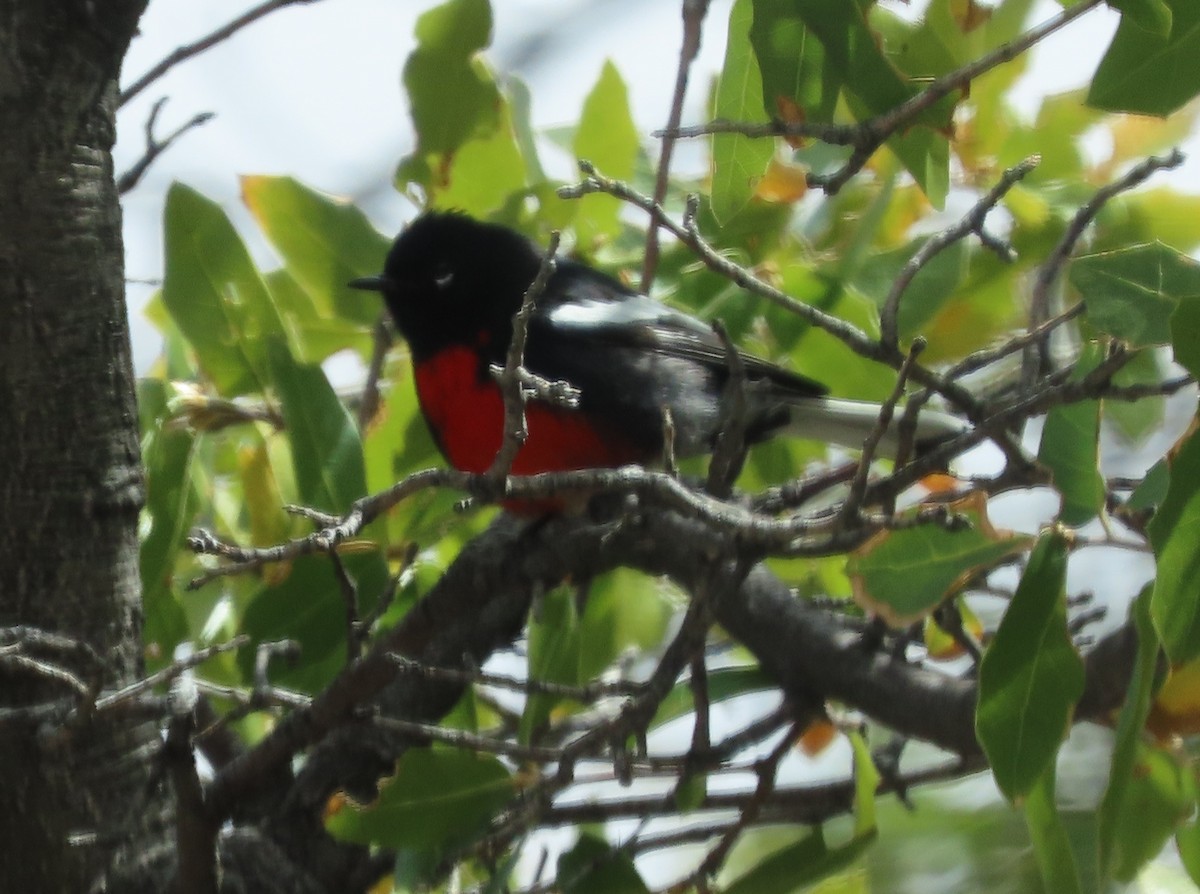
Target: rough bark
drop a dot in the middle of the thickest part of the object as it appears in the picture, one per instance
(70, 478)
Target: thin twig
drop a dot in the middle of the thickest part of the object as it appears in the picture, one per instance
(381, 340)
(851, 336)
(766, 770)
(156, 147)
(210, 40)
(972, 222)
(858, 487)
(1037, 355)
(694, 12)
(869, 135)
(512, 388)
(589, 692)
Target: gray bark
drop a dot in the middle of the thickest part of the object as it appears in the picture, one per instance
(70, 476)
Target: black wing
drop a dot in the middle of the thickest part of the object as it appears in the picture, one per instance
(583, 300)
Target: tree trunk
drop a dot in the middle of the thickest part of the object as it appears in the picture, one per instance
(70, 476)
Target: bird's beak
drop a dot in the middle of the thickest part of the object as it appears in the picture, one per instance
(377, 283)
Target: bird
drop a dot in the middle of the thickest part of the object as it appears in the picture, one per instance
(452, 285)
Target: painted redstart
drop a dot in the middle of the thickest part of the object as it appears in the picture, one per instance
(453, 284)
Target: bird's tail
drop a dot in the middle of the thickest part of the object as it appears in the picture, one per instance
(848, 423)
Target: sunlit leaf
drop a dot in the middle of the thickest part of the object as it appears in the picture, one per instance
(608, 139)
(796, 83)
(484, 173)
(452, 96)
(866, 782)
(216, 295)
(940, 645)
(873, 85)
(554, 647)
(738, 162)
(324, 241)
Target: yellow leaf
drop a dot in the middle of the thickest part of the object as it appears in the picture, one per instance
(783, 182)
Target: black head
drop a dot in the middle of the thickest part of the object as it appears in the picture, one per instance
(449, 279)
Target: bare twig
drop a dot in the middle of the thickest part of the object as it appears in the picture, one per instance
(586, 693)
(349, 592)
(729, 453)
(512, 388)
(210, 40)
(156, 147)
(972, 222)
(869, 135)
(851, 336)
(694, 12)
(766, 770)
(1037, 356)
(858, 487)
(381, 336)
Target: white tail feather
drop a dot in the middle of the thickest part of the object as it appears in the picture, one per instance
(849, 422)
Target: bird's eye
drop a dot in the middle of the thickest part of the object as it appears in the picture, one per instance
(443, 276)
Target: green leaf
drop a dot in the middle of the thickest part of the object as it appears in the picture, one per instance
(606, 137)
(1030, 677)
(930, 290)
(215, 294)
(1135, 420)
(796, 865)
(326, 450)
(791, 63)
(1153, 16)
(1070, 448)
(554, 648)
(904, 574)
(1160, 797)
(1051, 844)
(325, 242)
(313, 335)
(1173, 531)
(171, 504)
(1187, 839)
(624, 610)
(1130, 724)
(873, 86)
(1185, 335)
(866, 783)
(1153, 489)
(452, 96)
(738, 162)
(307, 608)
(485, 171)
(1131, 293)
(1149, 71)
(439, 800)
(593, 867)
